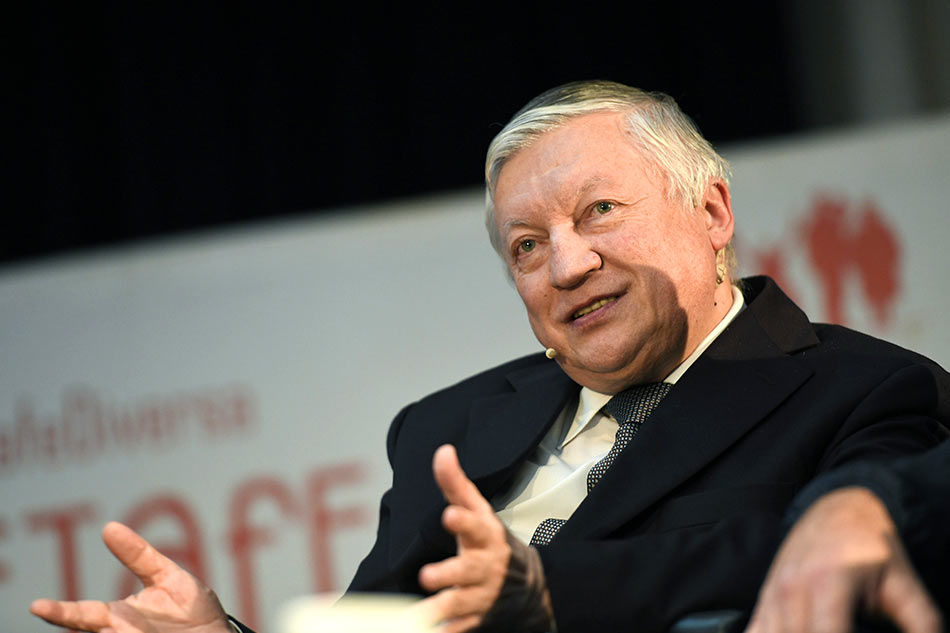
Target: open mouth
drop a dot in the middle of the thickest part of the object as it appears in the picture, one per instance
(600, 303)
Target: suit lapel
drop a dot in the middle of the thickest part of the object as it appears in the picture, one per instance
(740, 379)
(504, 429)
(711, 407)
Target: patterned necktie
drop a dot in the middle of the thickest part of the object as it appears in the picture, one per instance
(630, 408)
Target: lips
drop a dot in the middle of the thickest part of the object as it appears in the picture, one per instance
(596, 305)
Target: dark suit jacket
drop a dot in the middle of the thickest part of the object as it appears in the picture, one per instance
(921, 506)
(688, 517)
(916, 491)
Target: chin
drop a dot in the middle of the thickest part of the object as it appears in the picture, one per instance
(608, 356)
(617, 370)
(597, 376)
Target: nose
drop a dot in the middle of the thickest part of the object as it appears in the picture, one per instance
(573, 257)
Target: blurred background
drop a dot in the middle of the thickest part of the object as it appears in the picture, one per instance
(239, 237)
(135, 119)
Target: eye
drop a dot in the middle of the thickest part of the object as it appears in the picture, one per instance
(526, 246)
(603, 207)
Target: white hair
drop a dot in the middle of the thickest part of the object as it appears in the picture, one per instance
(663, 133)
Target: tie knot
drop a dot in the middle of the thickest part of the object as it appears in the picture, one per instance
(637, 403)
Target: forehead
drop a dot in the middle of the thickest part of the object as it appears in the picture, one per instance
(589, 153)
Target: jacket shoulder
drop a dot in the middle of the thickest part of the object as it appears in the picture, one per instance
(488, 382)
(442, 415)
(791, 331)
(863, 353)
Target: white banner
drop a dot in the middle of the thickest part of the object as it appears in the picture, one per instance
(854, 227)
(228, 394)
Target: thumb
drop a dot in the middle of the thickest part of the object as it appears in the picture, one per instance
(456, 487)
(903, 598)
(137, 554)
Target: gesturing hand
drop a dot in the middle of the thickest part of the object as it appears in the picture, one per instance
(494, 579)
(172, 601)
(842, 555)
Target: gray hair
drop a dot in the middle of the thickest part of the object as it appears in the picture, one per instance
(663, 133)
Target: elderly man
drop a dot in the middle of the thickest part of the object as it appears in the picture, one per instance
(650, 463)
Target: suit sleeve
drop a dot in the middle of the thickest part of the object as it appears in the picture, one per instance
(374, 573)
(649, 581)
(916, 492)
(925, 525)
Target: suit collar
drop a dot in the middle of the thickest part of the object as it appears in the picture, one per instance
(504, 429)
(745, 374)
(709, 409)
(771, 322)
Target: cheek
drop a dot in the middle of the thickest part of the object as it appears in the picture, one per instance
(633, 251)
(633, 239)
(679, 249)
(537, 301)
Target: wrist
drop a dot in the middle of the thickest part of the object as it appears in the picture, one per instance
(524, 603)
(855, 503)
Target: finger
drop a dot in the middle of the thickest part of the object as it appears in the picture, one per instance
(783, 607)
(757, 623)
(85, 615)
(455, 485)
(133, 551)
(766, 617)
(774, 620)
(833, 603)
(460, 625)
(455, 571)
(458, 602)
(473, 529)
(904, 599)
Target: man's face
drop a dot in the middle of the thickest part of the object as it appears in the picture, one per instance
(615, 277)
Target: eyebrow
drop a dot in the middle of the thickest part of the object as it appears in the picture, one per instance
(513, 223)
(589, 184)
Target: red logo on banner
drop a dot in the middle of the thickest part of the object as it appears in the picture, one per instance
(842, 242)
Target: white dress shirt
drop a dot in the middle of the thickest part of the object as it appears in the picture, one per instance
(553, 481)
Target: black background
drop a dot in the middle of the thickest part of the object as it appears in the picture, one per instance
(132, 120)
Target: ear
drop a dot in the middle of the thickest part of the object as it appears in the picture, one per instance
(717, 212)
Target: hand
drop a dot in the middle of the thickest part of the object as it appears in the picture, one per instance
(841, 555)
(172, 601)
(494, 579)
